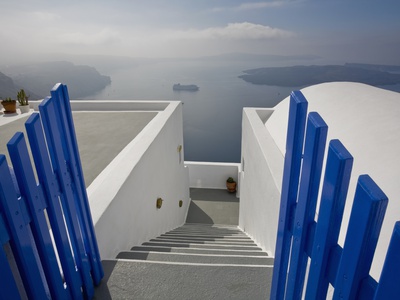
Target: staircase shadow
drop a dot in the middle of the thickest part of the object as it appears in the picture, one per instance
(197, 215)
(102, 290)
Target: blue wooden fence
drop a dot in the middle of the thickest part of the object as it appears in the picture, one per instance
(300, 237)
(46, 219)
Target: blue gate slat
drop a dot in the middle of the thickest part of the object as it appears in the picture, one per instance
(8, 287)
(367, 289)
(389, 283)
(366, 219)
(53, 129)
(60, 95)
(333, 263)
(4, 236)
(292, 163)
(21, 242)
(33, 195)
(333, 198)
(310, 238)
(311, 170)
(48, 181)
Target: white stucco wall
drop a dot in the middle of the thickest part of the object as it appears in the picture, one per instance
(211, 175)
(260, 179)
(123, 197)
(114, 105)
(366, 120)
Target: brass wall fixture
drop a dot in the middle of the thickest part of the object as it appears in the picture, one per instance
(180, 203)
(159, 202)
(179, 149)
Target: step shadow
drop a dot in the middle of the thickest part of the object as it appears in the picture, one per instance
(197, 215)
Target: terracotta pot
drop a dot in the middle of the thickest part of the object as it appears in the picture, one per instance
(10, 107)
(231, 186)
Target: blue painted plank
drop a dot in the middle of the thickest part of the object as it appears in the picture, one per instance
(8, 287)
(33, 195)
(333, 263)
(389, 282)
(311, 170)
(60, 95)
(367, 288)
(4, 236)
(334, 192)
(290, 181)
(21, 242)
(47, 180)
(366, 219)
(54, 137)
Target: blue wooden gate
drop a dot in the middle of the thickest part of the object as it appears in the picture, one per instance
(300, 237)
(47, 221)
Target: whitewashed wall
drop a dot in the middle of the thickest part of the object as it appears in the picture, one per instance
(212, 175)
(123, 197)
(261, 178)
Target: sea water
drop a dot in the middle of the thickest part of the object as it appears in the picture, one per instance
(212, 116)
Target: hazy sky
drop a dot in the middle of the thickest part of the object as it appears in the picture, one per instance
(356, 30)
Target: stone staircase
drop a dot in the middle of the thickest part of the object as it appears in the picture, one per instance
(195, 261)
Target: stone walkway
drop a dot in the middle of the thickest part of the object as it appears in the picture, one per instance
(213, 206)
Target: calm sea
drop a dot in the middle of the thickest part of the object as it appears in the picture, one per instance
(212, 115)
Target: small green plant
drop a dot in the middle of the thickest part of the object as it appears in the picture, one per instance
(230, 180)
(22, 98)
(8, 99)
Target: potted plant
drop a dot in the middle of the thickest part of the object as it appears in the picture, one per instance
(10, 106)
(23, 101)
(231, 185)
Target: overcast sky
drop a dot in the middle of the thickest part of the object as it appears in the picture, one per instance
(356, 30)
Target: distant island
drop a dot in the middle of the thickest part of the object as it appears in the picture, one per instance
(300, 76)
(38, 79)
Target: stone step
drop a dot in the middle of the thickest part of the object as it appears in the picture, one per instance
(199, 245)
(197, 258)
(216, 227)
(205, 236)
(199, 250)
(210, 226)
(209, 235)
(126, 279)
(209, 241)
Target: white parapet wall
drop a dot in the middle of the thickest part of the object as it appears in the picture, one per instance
(261, 178)
(123, 197)
(212, 175)
(114, 105)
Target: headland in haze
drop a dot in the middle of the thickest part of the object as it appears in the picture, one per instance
(376, 75)
(38, 79)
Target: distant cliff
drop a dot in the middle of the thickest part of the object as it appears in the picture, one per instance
(375, 75)
(7, 87)
(82, 81)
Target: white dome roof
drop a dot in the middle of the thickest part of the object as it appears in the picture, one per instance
(366, 120)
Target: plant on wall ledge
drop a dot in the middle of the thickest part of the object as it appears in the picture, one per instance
(231, 185)
(10, 106)
(23, 101)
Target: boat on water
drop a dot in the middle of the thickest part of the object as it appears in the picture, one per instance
(185, 87)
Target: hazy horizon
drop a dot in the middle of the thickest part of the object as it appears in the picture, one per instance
(356, 31)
